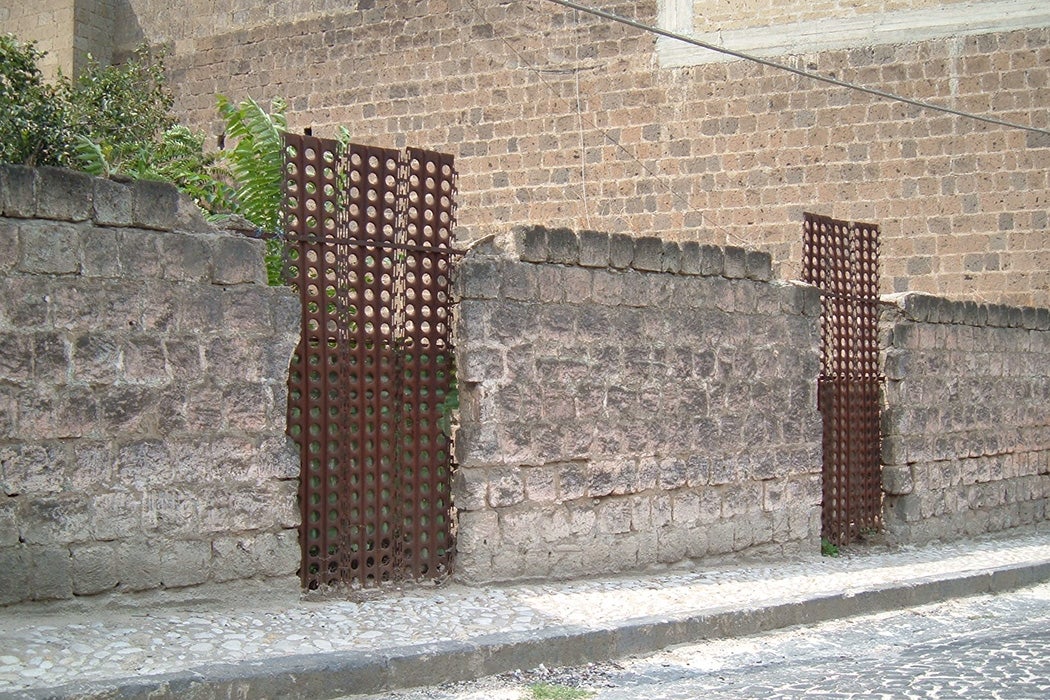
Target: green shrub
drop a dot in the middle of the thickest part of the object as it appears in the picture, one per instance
(35, 128)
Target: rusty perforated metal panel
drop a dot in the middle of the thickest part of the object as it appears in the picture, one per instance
(370, 245)
(842, 259)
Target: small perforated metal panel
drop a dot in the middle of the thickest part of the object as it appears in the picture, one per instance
(370, 244)
(842, 259)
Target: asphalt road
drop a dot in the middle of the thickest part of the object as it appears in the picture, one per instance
(985, 647)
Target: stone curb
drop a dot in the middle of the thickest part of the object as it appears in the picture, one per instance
(347, 673)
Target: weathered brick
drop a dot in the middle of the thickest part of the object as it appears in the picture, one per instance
(49, 248)
(111, 203)
(185, 256)
(671, 260)
(621, 251)
(64, 195)
(758, 266)
(237, 261)
(94, 568)
(735, 266)
(154, 205)
(100, 251)
(15, 567)
(648, 254)
(50, 573)
(139, 563)
(8, 244)
(594, 249)
(690, 262)
(18, 190)
(563, 247)
(712, 260)
(477, 278)
(531, 243)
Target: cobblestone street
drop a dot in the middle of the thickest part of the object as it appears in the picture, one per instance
(984, 647)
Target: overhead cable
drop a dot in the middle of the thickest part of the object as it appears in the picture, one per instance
(797, 71)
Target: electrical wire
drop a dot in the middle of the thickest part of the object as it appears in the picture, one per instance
(797, 71)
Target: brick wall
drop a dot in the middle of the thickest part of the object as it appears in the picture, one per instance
(966, 425)
(570, 121)
(49, 23)
(143, 363)
(631, 402)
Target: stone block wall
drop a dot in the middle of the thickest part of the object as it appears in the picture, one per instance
(966, 420)
(143, 365)
(627, 403)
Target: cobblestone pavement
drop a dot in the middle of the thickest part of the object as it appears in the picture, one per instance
(995, 646)
(48, 647)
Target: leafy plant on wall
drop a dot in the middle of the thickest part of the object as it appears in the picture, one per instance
(255, 163)
(34, 126)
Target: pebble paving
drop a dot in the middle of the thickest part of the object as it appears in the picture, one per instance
(42, 649)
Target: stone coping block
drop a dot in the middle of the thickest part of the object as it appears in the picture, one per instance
(66, 195)
(617, 251)
(927, 308)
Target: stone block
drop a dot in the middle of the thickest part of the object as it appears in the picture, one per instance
(154, 205)
(759, 266)
(143, 359)
(898, 480)
(238, 260)
(129, 410)
(49, 248)
(244, 407)
(139, 564)
(531, 242)
(506, 487)
(741, 498)
(613, 516)
(520, 281)
(9, 229)
(563, 247)
(275, 554)
(50, 573)
(594, 249)
(64, 195)
(10, 521)
(478, 532)
(712, 261)
(184, 563)
(478, 278)
(185, 256)
(648, 254)
(139, 254)
(621, 251)
(573, 480)
(674, 473)
(735, 266)
(33, 470)
(16, 357)
(671, 258)
(112, 203)
(94, 568)
(690, 262)
(232, 558)
(15, 567)
(100, 250)
(95, 358)
(58, 521)
(18, 191)
(479, 364)
(198, 309)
